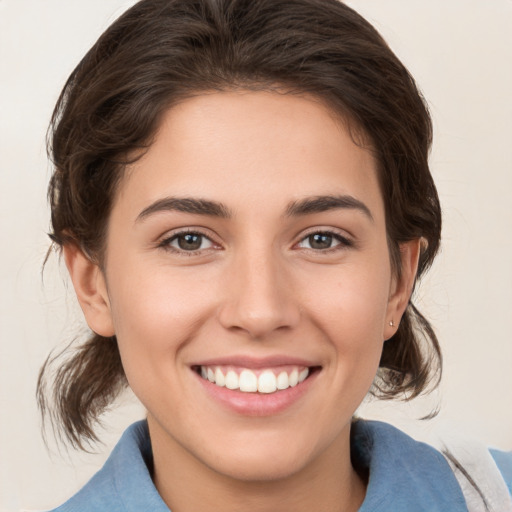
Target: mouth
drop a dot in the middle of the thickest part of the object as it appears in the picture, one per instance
(261, 381)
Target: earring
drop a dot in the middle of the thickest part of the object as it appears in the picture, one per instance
(392, 324)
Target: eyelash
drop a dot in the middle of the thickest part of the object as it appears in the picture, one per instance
(166, 242)
(342, 242)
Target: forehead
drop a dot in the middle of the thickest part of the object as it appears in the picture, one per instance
(250, 145)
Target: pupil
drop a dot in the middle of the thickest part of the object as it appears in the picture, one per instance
(320, 241)
(190, 242)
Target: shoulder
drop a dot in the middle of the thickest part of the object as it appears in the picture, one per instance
(405, 474)
(503, 461)
(484, 476)
(124, 483)
(98, 494)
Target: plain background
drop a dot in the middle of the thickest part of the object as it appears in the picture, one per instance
(460, 52)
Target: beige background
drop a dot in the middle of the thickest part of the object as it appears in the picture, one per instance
(460, 51)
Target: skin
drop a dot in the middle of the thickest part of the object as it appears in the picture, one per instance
(257, 287)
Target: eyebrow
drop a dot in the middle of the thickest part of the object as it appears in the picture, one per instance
(307, 206)
(186, 205)
(320, 204)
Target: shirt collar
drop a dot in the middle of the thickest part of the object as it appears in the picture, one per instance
(404, 474)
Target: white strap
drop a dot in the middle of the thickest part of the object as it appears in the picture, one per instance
(478, 463)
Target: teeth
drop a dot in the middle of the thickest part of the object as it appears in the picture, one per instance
(219, 378)
(248, 382)
(282, 381)
(293, 379)
(232, 380)
(267, 382)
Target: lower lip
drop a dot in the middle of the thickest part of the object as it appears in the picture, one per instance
(257, 404)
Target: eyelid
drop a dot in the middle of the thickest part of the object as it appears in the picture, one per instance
(346, 241)
(165, 240)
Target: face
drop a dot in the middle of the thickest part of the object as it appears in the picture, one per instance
(248, 281)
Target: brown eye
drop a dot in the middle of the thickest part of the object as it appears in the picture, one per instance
(189, 242)
(323, 241)
(320, 241)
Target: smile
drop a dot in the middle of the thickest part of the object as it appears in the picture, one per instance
(251, 381)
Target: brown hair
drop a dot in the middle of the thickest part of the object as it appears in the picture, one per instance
(161, 51)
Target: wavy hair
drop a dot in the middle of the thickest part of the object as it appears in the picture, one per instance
(162, 51)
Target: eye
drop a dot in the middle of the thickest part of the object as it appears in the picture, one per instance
(187, 242)
(323, 240)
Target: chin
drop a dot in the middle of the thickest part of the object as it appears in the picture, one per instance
(262, 461)
(260, 469)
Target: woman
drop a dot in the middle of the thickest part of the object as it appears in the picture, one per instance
(243, 201)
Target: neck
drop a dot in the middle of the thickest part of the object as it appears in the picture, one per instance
(328, 483)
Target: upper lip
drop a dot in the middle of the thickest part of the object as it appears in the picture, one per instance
(256, 362)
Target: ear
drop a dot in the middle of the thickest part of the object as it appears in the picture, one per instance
(91, 290)
(401, 287)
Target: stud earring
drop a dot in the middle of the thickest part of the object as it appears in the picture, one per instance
(392, 324)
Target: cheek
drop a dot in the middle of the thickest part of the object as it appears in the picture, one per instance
(351, 312)
(354, 301)
(155, 315)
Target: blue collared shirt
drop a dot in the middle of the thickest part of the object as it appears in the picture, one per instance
(404, 475)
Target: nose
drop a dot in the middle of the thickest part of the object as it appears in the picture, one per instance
(259, 296)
